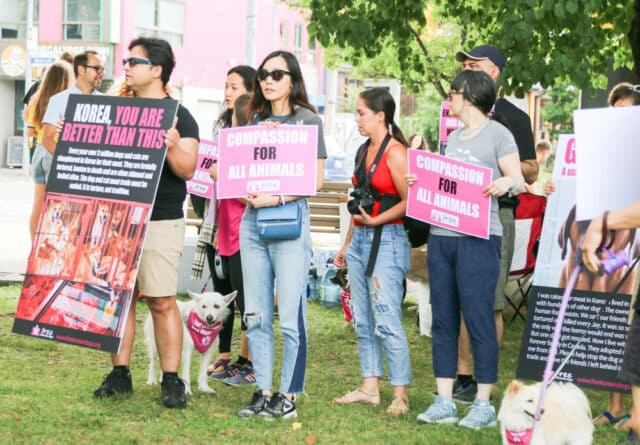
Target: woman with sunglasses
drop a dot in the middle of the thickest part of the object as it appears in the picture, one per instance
(240, 81)
(280, 98)
(463, 270)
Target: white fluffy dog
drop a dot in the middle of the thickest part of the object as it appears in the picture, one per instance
(202, 318)
(566, 416)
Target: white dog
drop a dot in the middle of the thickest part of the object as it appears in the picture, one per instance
(566, 415)
(202, 319)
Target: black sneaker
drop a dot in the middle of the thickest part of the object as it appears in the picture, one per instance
(118, 381)
(173, 392)
(279, 407)
(465, 392)
(257, 404)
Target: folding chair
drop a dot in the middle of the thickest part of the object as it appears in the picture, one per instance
(528, 221)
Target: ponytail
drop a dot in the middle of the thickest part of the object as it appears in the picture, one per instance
(397, 134)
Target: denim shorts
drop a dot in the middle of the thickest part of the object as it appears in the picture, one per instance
(41, 164)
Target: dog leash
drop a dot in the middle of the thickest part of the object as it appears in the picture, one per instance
(548, 372)
(595, 318)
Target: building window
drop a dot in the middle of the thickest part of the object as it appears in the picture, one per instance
(13, 18)
(161, 18)
(297, 41)
(82, 20)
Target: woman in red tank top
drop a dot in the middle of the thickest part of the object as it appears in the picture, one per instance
(376, 280)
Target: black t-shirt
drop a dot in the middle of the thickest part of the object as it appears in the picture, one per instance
(172, 190)
(32, 90)
(519, 124)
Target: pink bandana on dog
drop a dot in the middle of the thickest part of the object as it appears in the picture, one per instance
(522, 437)
(202, 334)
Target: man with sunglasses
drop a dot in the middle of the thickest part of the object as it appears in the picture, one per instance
(89, 71)
(147, 72)
(490, 59)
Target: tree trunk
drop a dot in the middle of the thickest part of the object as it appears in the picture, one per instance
(634, 41)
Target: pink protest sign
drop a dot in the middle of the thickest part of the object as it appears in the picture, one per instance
(447, 125)
(448, 193)
(201, 184)
(259, 159)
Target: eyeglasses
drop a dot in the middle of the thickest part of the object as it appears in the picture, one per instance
(276, 75)
(99, 68)
(133, 61)
(453, 93)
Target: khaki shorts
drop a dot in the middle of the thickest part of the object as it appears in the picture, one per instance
(160, 261)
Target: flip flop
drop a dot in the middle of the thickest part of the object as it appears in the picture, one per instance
(610, 418)
(622, 423)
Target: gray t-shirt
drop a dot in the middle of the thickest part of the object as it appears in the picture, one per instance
(304, 116)
(58, 105)
(485, 148)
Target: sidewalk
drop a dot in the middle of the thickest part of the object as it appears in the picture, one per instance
(16, 191)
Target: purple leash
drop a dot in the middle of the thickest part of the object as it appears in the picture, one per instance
(548, 370)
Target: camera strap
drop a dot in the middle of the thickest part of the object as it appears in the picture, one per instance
(365, 181)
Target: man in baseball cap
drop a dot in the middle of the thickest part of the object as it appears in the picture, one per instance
(480, 54)
(490, 59)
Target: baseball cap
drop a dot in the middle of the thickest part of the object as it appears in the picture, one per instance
(483, 52)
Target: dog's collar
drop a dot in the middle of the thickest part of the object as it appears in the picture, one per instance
(201, 333)
(521, 437)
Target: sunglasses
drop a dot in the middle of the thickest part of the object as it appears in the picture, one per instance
(133, 61)
(276, 75)
(99, 68)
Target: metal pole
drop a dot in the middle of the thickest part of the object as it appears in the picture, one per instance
(31, 46)
(250, 48)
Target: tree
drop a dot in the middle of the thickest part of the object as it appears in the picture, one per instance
(559, 111)
(543, 40)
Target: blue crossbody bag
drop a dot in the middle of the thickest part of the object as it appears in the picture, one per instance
(280, 222)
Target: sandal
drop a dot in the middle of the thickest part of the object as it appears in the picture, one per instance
(219, 363)
(606, 418)
(623, 423)
(398, 407)
(358, 396)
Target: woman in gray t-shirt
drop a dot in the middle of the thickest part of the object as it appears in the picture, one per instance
(463, 270)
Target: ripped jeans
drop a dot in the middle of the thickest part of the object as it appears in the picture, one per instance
(376, 302)
(282, 266)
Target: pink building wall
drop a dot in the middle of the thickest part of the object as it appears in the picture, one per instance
(214, 37)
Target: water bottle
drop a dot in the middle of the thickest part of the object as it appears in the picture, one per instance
(329, 292)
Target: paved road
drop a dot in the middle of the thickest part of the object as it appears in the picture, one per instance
(16, 198)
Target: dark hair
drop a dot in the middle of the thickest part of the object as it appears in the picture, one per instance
(423, 143)
(379, 99)
(67, 57)
(159, 52)
(241, 109)
(623, 90)
(297, 96)
(248, 75)
(476, 87)
(82, 59)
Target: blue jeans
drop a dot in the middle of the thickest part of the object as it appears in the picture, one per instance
(463, 272)
(376, 302)
(268, 266)
(41, 164)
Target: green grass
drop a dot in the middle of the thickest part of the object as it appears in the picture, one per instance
(46, 395)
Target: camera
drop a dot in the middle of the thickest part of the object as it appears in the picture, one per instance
(362, 197)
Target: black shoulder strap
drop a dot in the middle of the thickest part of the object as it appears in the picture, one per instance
(361, 162)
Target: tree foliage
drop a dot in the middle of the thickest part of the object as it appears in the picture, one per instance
(543, 40)
(558, 112)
